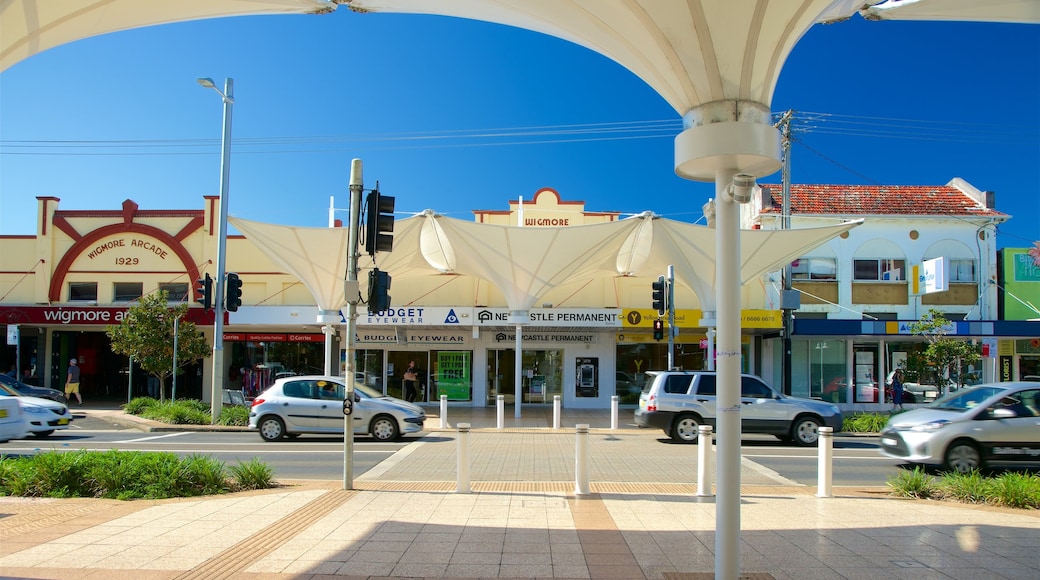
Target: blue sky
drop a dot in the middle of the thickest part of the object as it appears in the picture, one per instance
(456, 115)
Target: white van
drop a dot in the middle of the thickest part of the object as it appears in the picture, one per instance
(12, 421)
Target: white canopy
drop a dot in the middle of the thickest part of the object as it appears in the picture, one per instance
(526, 264)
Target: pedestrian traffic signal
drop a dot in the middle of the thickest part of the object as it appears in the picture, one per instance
(378, 288)
(379, 224)
(234, 293)
(658, 329)
(660, 296)
(204, 291)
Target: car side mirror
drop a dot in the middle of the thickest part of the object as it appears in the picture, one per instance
(1003, 413)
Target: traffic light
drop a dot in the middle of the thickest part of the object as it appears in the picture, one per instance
(660, 296)
(204, 291)
(234, 293)
(378, 286)
(379, 224)
(658, 329)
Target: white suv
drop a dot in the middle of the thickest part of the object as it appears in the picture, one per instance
(679, 401)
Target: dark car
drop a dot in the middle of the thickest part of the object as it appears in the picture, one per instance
(31, 391)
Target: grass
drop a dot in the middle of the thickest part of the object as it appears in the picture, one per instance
(127, 475)
(865, 422)
(185, 412)
(1008, 489)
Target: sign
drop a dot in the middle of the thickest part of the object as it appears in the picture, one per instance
(554, 317)
(1026, 268)
(560, 338)
(272, 337)
(691, 318)
(85, 315)
(931, 276)
(12, 334)
(453, 375)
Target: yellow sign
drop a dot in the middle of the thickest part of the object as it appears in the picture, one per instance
(644, 318)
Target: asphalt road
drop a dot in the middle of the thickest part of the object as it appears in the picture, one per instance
(856, 461)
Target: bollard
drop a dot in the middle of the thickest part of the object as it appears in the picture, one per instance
(704, 460)
(500, 402)
(824, 464)
(614, 412)
(556, 411)
(444, 411)
(462, 475)
(581, 459)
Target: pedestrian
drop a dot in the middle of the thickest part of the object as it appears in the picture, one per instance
(897, 390)
(411, 375)
(153, 386)
(72, 383)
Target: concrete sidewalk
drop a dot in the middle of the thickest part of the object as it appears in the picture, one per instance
(521, 519)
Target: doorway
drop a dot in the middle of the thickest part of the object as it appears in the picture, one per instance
(396, 363)
(541, 375)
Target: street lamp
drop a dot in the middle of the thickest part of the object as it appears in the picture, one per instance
(216, 395)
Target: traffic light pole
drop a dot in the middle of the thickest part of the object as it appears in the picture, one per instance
(670, 290)
(351, 295)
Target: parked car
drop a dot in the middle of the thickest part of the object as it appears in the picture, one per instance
(12, 421)
(41, 392)
(43, 415)
(996, 423)
(920, 393)
(314, 404)
(678, 401)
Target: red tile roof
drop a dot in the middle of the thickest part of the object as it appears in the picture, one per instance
(865, 200)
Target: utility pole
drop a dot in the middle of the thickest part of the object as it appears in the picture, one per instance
(786, 305)
(352, 295)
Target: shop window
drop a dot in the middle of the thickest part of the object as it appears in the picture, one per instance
(82, 291)
(177, 292)
(127, 291)
(883, 270)
(814, 269)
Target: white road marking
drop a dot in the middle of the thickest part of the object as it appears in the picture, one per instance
(153, 438)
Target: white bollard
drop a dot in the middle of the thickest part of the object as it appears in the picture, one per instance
(581, 459)
(500, 402)
(704, 460)
(444, 411)
(614, 412)
(823, 466)
(462, 452)
(556, 411)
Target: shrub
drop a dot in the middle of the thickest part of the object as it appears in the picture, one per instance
(916, 484)
(969, 487)
(237, 416)
(253, 474)
(181, 412)
(864, 422)
(1016, 490)
(137, 405)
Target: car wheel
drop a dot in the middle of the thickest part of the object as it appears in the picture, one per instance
(43, 433)
(805, 431)
(684, 429)
(271, 428)
(384, 428)
(963, 457)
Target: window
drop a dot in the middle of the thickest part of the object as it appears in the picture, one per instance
(178, 292)
(753, 389)
(962, 271)
(83, 291)
(127, 291)
(677, 384)
(879, 270)
(814, 269)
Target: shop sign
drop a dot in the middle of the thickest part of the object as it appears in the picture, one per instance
(750, 318)
(272, 337)
(453, 378)
(555, 317)
(85, 315)
(416, 316)
(1027, 269)
(548, 337)
(434, 338)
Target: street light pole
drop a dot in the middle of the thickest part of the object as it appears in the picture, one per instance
(216, 394)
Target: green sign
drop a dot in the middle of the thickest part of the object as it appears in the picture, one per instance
(1026, 268)
(453, 377)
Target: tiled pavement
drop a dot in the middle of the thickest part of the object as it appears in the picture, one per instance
(405, 520)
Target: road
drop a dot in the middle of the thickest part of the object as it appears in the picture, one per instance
(856, 461)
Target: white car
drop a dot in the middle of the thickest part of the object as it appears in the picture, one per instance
(997, 423)
(314, 404)
(43, 415)
(12, 421)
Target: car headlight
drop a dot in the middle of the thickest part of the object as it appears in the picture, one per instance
(931, 426)
(34, 409)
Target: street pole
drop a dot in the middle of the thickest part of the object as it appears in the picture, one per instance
(785, 297)
(352, 296)
(671, 317)
(216, 394)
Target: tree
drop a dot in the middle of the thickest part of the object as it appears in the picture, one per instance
(146, 333)
(943, 356)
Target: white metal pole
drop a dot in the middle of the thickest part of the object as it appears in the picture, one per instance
(823, 464)
(556, 411)
(462, 483)
(704, 460)
(518, 388)
(581, 459)
(500, 411)
(217, 386)
(727, 280)
(176, 333)
(444, 411)
(670, 297)
(614, 412)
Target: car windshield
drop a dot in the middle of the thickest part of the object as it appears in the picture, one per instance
(6, 391)
(965, 400)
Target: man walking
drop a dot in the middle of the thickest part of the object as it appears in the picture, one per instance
(72, 383)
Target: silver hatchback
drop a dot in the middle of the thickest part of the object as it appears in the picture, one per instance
(314, 404)
(997, 423)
